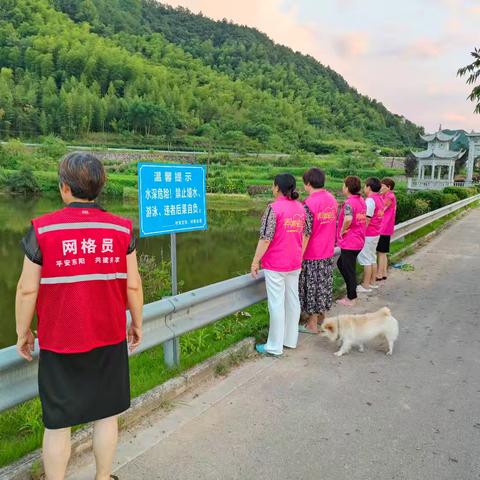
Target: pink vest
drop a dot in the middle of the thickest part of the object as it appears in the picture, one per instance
(375, 225)
(354, 237)
(284, 253)
(324, 208)
(388, 224)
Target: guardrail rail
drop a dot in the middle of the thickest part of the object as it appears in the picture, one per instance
(171, 317)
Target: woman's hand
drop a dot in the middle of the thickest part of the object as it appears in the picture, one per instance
(134, 337)
(26, 345)
(254, 269)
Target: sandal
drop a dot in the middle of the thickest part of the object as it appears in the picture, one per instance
(304, 329)
(114, 477)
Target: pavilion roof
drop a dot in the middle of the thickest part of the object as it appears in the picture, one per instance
(438, 153)
(440, 136)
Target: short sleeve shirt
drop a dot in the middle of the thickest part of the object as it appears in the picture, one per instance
(32, 250)
(370, 202)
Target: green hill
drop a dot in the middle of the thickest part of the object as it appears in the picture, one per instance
(136, 71)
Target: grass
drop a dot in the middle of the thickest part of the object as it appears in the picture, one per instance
(21, 428)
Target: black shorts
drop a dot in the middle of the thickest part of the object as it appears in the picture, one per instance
(383, 244)
(77, 388)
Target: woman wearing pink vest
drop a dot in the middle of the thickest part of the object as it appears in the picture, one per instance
(316, 278)
(351, 236)
(388, 227)
(368, 256)
(280, 252)
(80, 275)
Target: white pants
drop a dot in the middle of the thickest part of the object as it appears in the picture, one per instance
(284, 308)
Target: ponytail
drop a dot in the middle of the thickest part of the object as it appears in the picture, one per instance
(287, 185)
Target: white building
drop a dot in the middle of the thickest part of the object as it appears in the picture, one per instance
(436, 164)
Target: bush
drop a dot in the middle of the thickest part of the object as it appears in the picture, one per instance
(156, 278)
(459, 192)
(22, 182)
(448, 198)
(53, 147)
(225, 185)
(421, 207)
(13, 155)
(406, 207)
(434, 198)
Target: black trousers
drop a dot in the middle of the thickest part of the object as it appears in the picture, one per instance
(346, 263)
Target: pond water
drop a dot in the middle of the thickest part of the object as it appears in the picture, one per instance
(221, 252)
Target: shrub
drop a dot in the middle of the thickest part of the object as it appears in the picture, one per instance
(14, 155)
(406, 207)
(22, 182)
(448, 198)
(53, 147)
(460, 192)
(156, 278)
(434, 198)
(421, 207)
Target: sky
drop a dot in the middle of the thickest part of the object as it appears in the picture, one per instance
(404, 54)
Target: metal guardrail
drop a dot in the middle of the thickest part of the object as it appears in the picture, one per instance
(172, 317)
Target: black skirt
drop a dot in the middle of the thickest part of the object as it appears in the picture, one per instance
(383, 244)
(78, 388)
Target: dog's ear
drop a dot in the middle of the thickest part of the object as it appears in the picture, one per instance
(329, 327)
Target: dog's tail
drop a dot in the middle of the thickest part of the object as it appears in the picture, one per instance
(385, 311)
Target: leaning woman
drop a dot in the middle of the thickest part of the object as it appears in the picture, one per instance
(316, 279)
(80, 275)
(279, 251)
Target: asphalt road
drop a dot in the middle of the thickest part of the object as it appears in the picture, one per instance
(365, 416)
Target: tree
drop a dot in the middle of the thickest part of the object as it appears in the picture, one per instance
(472, 72)
(410, 165)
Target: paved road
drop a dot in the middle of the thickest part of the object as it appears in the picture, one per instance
(310, 415)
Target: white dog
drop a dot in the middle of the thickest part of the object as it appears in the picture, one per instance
(356, 329)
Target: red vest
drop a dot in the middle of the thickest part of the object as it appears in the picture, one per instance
(324, 208)
(83, 288)
(375, 225)
(354, 237)
(284, 253)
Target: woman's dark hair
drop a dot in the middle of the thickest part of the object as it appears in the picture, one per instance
(389, 182)
(83, 173)
(353, 184)
(287, 185)
(374, 184)
(315, 177)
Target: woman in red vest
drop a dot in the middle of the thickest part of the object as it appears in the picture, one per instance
(316, 279)
(280, 252)
(80, 274)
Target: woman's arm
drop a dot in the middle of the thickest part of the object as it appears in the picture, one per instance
(134, 301)
(25, 302)
(262, 247)
(347, 221)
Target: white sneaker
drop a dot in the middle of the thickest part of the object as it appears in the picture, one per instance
(374, 286)
(362, 289)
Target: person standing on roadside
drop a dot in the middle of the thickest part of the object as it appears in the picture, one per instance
(280, 252)
(367, 258)
(388, 227)
(351, 236)
(316, 278)
(80, 274)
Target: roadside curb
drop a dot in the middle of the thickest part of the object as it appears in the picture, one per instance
(29, 467)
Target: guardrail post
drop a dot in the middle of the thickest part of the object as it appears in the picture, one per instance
(171, 349)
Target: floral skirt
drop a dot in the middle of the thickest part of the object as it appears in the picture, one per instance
(316, 286)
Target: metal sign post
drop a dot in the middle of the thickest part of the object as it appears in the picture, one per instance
(171, 348)
(171, 199)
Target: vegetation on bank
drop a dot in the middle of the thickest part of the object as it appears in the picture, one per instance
(135, 71)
